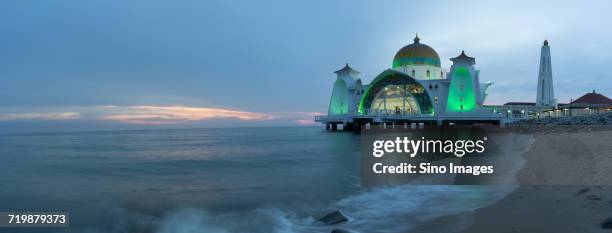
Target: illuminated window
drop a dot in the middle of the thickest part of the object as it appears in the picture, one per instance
(415, 89)
(395, 99)
(435, 99)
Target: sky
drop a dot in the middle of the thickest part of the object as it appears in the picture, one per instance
(95, 65)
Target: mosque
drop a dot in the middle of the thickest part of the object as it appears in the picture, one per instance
(416, 89)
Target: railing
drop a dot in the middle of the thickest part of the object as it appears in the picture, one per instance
(409, 115)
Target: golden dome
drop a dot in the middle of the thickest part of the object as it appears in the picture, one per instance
(416, 54)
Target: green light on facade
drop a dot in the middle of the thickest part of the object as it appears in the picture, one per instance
(392, 77)
(361, 108)
(415, 61)
(339, 103)
(461, 92)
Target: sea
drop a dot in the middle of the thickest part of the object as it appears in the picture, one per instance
(219, 180)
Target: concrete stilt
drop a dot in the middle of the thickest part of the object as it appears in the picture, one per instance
(348, 126)
(356, 127)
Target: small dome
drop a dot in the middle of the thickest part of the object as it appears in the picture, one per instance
(416, 54)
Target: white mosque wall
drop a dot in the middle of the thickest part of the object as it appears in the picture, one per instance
(484, 90)
(420, 71)
(477, 91)
(355, 93)
(438, 94)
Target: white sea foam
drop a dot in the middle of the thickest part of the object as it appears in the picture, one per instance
(388, 209)
(259, 220)
(399, 208)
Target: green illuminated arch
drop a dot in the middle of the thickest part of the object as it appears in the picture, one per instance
(461, 96)
(392, 77)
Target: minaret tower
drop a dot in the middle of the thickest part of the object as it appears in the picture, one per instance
(546, 95)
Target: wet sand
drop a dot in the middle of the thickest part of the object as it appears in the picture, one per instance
(564, 187)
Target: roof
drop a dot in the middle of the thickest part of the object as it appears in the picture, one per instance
(463, 57)
(593, 98)
(346, 68)
(521, 103)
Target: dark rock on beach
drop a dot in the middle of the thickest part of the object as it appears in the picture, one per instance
(583, 191)
(333, 218)
(598, 119)
(594, 197)
(340, 231)
(607, 224)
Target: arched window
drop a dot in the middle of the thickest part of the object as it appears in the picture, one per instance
(413, 73)
(441, 74)
(395, 99)
(428, 74)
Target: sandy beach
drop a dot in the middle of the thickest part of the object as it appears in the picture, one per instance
(564, 186)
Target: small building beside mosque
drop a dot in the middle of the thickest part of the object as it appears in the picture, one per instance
(588, 104)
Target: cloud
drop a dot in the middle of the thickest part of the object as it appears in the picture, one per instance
(155, 115)
(305, 122)
(40, 116)
(299, 117)
(173, 114)
(133, 114)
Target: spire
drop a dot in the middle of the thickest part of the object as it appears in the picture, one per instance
(545, 93)
(417, 39)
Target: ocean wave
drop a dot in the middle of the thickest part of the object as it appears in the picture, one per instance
(400, 208)
(385, 209)
(256, 221)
